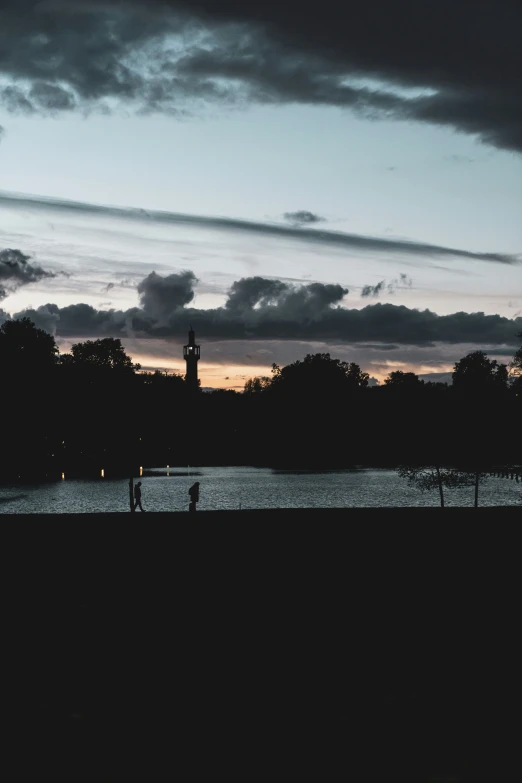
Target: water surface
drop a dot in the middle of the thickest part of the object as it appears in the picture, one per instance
(244, 487)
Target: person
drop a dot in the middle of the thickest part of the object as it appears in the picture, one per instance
(194, 496)
(137, 496)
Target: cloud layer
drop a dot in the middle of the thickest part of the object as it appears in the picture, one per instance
(356, 243)
(451, 64)
(260, 308)
(16, 270)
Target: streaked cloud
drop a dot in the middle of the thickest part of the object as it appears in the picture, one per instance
(386, 247)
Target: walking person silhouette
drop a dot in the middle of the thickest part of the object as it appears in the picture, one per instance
(194, 496)
(137, 496)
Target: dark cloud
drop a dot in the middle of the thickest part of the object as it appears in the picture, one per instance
(403, 281)
(162, 297)
(16, 270)
(51, 98)
(382, 346)
(45, 317)
(373, 290)
(263, 309)
(302, 217)
(83, 320)
(445, 63)
(249, 292)
(351, 242)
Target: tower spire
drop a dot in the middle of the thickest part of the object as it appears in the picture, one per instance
(191, 354)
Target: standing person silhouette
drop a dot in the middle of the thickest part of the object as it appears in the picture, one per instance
(194, 496)
(137, 496)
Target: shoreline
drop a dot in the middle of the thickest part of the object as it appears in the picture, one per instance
(285, 514)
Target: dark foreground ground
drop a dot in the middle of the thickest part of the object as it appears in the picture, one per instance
(357, 644)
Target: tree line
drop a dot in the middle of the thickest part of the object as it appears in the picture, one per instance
(94, 409)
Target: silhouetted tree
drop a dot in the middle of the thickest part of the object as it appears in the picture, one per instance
(472, 473)
(516, 364)
(24, 347)
(319, 374)
(30, 404)
(106, 353)
(476, 373)
(403, 381)
(478, 477)
(257, 385)
(355, 376)
(515, 369)
(427, 478)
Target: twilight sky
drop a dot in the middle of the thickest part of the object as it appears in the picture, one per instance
(286, 178)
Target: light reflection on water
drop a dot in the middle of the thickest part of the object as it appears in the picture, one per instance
(244, 487)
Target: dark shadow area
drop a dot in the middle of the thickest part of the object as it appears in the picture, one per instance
(357, 644)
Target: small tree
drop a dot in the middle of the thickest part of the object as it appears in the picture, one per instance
(471, 476)
(427, 478)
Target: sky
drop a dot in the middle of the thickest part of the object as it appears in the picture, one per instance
(286, 179)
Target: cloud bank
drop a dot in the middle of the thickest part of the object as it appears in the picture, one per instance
(450, 64)
(260, 308)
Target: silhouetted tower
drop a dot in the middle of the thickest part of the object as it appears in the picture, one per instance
(191, 356)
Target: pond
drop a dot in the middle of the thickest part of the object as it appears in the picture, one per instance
(245, 487)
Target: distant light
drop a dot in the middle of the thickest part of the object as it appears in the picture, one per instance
(63, 475)
(102, 473)
(141, 472)
(168, 466)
